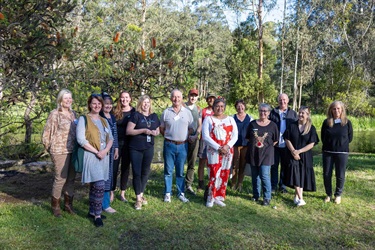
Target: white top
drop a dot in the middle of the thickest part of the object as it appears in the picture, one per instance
(219, 133)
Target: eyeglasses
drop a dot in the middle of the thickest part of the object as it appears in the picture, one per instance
(263, 111)
(96, 95)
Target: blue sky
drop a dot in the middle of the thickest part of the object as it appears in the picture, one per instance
(275, 15)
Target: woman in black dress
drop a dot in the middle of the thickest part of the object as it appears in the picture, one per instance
(300, 137)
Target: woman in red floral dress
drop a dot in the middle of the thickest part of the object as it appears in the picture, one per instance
(220, 134)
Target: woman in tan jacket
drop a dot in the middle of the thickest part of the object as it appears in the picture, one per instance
(58, 138)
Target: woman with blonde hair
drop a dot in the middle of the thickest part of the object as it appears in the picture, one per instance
(143, 126)
(336, 134)
(300, 137)
(58, 138)
(122, 112)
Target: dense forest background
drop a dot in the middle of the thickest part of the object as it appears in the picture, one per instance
(322, 50)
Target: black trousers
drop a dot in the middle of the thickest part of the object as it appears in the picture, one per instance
(339, 160)
(124, 157)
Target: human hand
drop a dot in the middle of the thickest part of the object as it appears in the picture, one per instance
(116, 154)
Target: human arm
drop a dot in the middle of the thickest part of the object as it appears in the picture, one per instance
(50, 129)
(115, 140)
(350, 131)
(162, 125)
(131, 130)
(234, 136)
(194, 137)
(207, 125)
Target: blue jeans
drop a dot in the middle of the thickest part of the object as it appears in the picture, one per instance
(141, 165)
(261, 177)
(106, 200)
(174, 156)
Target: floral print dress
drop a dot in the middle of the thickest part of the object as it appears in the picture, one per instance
(221, 132)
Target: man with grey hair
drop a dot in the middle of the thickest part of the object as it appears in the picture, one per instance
(176, 124)
(282, 116)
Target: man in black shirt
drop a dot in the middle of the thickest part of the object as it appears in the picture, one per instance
(282, 116)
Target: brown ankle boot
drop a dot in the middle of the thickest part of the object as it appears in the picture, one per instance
(68, 204)
(55, 204)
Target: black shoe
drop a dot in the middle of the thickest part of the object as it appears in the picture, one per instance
(283, 191)
(254, 199)
(266, 202)
(98, 222)
(190, 190)
(93, 216)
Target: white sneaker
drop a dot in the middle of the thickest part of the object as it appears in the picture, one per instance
(183, 198)
(109, 210)
(301, 203)
(219, 203)
(167, 197)
(296, 200)
(210, 203)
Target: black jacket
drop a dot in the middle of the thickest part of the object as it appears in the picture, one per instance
(291, 116)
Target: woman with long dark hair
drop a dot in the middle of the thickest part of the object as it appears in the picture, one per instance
(122, 112)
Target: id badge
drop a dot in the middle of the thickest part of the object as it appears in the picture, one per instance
(148, 138)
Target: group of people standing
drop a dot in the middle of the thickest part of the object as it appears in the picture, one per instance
(124, 134)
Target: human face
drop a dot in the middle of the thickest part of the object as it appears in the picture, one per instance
(66, 101)
(240, 108)
(145, 107)
(210, 101)
(125, 100)
(336, 111)
(193, 98)
(95, 106)
(263, 113)
(219, 109)
(176, 98)
(283, 102)
(107, 106)
(303, 115)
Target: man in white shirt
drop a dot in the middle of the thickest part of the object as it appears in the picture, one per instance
(176, 124)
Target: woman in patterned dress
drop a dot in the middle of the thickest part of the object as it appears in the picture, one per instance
(220, 134)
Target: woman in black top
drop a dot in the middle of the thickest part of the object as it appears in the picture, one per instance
(122, 112)
(336, 134)
(262, 134)
(300, 137)
(142, 128)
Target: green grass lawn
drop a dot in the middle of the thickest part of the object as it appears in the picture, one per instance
(26, 221)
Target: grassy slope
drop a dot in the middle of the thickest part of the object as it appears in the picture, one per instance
(241, 225)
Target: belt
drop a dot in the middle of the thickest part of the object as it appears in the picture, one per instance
(175, 142)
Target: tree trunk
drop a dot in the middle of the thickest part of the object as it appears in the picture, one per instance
(260, 40)
(295, 85)
(27, 118)
(282, 50)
